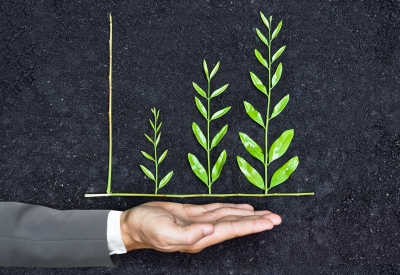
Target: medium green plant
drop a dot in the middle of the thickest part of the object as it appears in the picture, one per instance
(209, 176)
(279, 147)
(157, 161)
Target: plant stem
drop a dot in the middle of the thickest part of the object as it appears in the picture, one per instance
(155, 149)
(110, 110)
(208, 136)
(199, 195)
(267, 115)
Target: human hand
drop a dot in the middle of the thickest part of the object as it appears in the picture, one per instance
(169, 227)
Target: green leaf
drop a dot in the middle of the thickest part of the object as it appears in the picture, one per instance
(219, 164)
(262, 37)
(219, 136)
(277, 75)
(280, 106)
(151, 123)
(147, 172)
(162, 157)
(158, 114)
(276, 31)
(278, 53)
(214, 71)
(261, 58)
(220, 113)
(199, 90)
(158, 138)
(158, 127)
(199, 135)
(165, 179)
(201, 107)
(279, 147)
(257, 82)
(147, 155)
(198, 169)
(149, 138)
(284, 172)
(219, 91)
(252, 147)
(250, 173)
(265, 20)
(253, 113)
(206, 69)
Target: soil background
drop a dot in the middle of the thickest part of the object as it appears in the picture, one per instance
(341, 69)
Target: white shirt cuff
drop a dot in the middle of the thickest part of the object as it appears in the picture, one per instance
(114, 238)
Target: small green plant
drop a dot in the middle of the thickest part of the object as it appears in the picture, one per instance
(209, 176)
(157, 161)
(279, 147)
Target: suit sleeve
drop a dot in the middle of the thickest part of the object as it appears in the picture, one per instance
(37, 236)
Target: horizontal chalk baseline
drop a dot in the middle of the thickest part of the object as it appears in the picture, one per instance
(198, 195)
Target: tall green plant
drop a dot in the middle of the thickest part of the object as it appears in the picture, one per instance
(208, 176)
(279, 147)
(157, 160)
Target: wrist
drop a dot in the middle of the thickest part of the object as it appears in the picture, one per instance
(129, 232)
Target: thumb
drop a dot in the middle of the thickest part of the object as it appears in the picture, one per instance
(191, 234)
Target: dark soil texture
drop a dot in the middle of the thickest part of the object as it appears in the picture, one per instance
(341, 69)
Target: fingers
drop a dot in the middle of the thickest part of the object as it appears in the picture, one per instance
(212, 212)
(214, 206)
(192, 211)
(209, 213)
(219, 213)
(184, 235)
(222, 212)
(275, 219)
(226, 230)
(231, 229)
(197, 209)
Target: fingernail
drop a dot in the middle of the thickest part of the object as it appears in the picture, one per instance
(207, 231)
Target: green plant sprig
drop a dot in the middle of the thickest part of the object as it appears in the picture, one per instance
(108, 190)
(279, 147)
(209, 176)
(157, 161)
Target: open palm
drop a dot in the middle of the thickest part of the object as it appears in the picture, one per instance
(169, 227)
